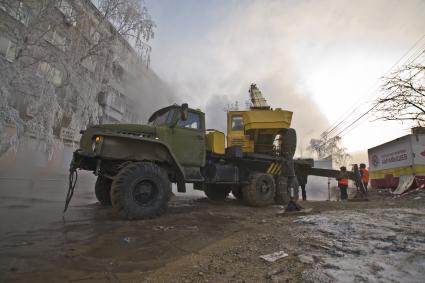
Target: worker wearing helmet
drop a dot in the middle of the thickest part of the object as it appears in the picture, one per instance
(364, 173)
(343, 182)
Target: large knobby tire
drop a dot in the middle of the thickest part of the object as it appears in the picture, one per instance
(102, 190)
(216, 192)
(289, 139)
(260, 191)
(140, 190)
(284, 186)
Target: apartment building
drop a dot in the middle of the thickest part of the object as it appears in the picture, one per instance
(93, 73)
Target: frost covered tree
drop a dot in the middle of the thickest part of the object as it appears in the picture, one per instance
(38, 93)
(403, 96)
(132, 21)
(327, 146)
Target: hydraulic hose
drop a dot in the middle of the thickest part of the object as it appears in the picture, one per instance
(73, 176)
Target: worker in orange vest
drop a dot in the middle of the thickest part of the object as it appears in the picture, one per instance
(343, 182)
(364, 173)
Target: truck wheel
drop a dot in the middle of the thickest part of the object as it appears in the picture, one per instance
(102, 190)
(283, 189)
(260, 191)
(216, 192)
(140, 190)
(289, 145)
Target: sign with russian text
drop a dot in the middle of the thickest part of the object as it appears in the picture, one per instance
(396, 153)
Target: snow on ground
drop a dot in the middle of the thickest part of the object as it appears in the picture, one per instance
(377, 245)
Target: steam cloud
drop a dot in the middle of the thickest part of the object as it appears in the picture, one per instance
(147, 91)
(214, 54)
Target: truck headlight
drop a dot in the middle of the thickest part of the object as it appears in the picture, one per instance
(96, 143)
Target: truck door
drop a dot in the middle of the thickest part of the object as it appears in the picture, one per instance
(188, 140)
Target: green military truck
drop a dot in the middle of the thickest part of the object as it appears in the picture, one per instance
(136, 164)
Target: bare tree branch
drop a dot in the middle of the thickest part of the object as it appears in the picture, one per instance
(403, 97)
(326, 146)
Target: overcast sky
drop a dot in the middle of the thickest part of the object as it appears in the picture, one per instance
(315, 58)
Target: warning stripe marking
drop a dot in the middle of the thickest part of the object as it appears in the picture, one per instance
(271, 167)
(274, 168)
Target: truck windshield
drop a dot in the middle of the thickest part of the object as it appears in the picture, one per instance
(237, 123)
(163, 119)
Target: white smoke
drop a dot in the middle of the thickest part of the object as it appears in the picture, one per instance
(214, 54)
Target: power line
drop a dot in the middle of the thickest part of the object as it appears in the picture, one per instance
(374, 106)
(415, 55)
(412, 58)
(364, 114)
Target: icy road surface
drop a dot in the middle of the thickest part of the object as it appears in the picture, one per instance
(376, 245)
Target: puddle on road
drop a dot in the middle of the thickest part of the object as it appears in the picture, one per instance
(378, 245)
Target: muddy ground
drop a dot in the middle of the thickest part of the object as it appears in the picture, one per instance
(381, 240)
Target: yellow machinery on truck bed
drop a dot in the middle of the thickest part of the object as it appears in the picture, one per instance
(256, 130)
(257, 164)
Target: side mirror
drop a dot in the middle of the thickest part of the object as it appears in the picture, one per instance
(184, 112)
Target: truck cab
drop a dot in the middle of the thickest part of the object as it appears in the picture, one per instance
(183, 129)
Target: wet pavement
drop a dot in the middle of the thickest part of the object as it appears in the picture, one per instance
(198, 240)
(38, 238)
(32, 203)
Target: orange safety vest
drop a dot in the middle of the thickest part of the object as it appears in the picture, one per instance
(343, 182)
(365, 175)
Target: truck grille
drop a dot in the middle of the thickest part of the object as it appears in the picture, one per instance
(136, 134)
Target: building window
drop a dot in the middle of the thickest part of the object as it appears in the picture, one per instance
(67, 11)
(7, 49)
(54, 38)
(50, 73)
(18, 10)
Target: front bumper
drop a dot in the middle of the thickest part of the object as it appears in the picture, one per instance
(82, 161)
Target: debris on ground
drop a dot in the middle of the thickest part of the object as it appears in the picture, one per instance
(274, 256)
(307, 259)
(367, 246)
(163, 228)
(294, 213)
(275, 271)
(404, 184)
